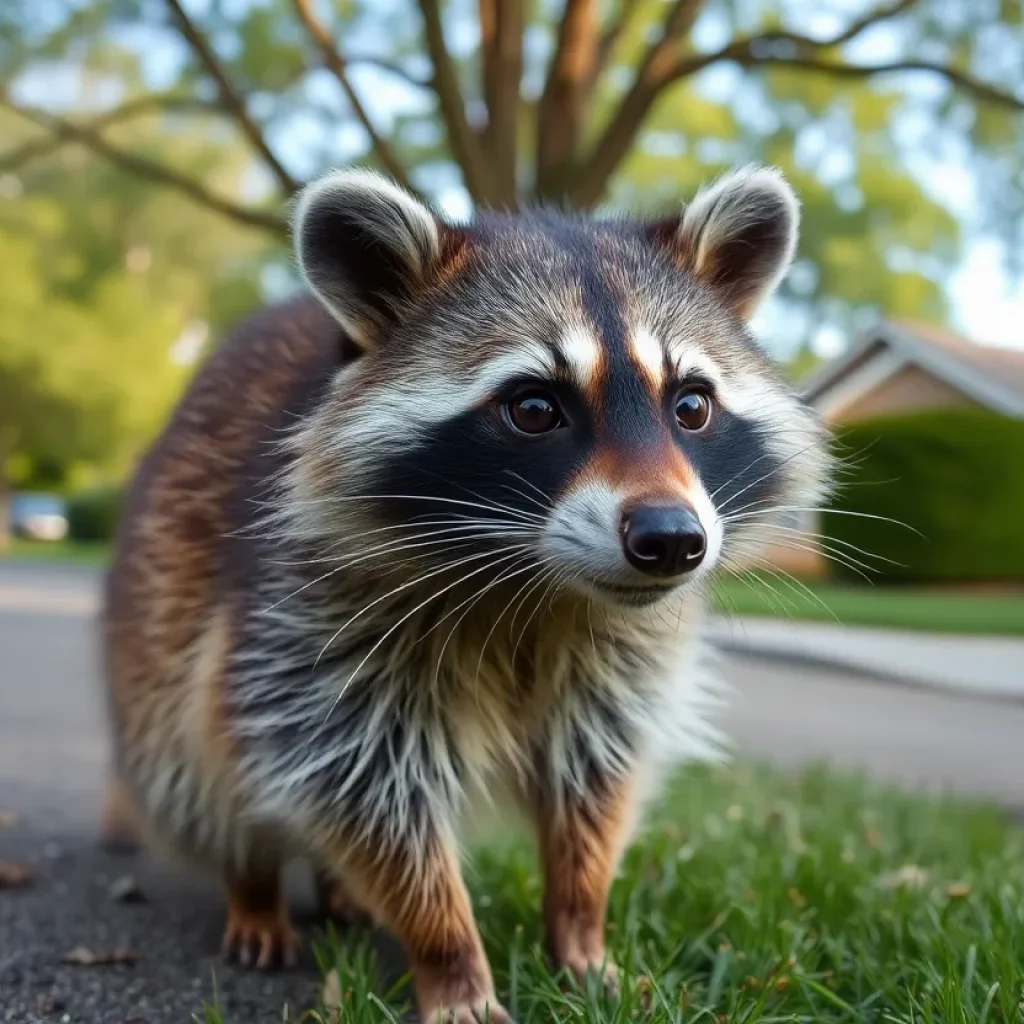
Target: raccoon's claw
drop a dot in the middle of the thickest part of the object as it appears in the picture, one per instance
(261, 940)
(476, 1012)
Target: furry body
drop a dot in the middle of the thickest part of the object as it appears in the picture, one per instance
(348, 600)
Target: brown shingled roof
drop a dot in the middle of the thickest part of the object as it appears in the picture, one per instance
(1005, 365)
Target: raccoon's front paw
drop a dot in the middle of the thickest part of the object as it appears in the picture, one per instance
(261, 939)
(479, 1011)
(580, 950)
(582, 967)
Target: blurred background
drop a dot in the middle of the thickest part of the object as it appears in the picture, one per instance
(148, 153)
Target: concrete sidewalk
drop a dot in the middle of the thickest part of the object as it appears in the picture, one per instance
(984, 666)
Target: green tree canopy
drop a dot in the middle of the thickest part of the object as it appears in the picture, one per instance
(109, 289)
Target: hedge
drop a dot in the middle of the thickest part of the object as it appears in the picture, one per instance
(93, 515)
(956, 476)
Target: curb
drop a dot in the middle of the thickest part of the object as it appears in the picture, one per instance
(874, 673)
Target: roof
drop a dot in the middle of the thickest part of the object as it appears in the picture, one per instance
(993, 377)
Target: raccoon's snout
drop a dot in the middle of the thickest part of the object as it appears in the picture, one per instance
(663, 540)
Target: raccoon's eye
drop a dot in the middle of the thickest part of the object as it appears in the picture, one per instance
(693, 410)
(534, 412)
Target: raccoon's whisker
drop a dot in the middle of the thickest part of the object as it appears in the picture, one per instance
(810, 535)
(533, 487)
(842, 557)
(547, 505)
(447, 567)
(838, 557)
(429, 539)
(494, 625)
(413, 524)
(745, 576)
(514, 553)
(520, 513)
(798, 587)
(828, 511)
(523, 494)
(510, 573)
(471, 528)
(750, 465)
(772, 472)
(339, 499)
(553, 576)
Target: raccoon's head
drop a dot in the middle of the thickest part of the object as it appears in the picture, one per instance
(542, 395)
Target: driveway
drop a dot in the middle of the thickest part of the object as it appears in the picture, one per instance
(53, 753)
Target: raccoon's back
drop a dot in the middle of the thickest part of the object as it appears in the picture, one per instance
(182, 551)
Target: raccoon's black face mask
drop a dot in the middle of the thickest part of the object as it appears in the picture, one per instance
(548, 398)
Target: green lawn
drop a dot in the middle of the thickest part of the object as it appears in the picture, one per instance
(758, 897)
(79, 552)
(941, 611)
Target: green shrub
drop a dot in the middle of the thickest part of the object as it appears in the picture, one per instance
(956, 476)
(93, 515)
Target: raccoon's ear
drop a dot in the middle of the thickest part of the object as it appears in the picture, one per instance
(364, 245)
(738, 235)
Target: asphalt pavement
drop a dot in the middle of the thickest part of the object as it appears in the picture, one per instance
(53, 749)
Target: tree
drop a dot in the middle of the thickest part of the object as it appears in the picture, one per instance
(103, 280)
(580, 101)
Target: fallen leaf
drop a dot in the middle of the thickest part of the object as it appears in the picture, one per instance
(82, 956)
(126, 890)
(910, 876)
(13, 875)
(958, 890)
(331, 997)
(643, 990)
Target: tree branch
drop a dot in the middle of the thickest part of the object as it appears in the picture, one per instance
(615, 141)
(15, 159)
(338, 66)
(230, 100)
(150, 170)
(854, 29)
(445, 82)
(501, 29)
(982, 91)
(610, 38)
(563, 102)
(392, 67)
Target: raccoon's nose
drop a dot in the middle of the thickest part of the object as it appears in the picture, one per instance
(663, 540)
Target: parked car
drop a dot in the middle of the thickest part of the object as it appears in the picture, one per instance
(39, 517)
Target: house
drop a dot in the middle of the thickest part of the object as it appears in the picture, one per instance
(899, 368)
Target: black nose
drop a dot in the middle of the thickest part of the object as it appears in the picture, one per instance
(663, 540)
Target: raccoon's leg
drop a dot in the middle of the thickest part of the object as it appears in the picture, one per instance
(582, 837)
(119, 827)
(418, 893)
(258, 931)
(338, 901)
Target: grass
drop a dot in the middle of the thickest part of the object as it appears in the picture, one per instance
(78, 552)
(757, 897)
(898, 607)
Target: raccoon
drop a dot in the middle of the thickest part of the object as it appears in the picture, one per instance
(438, 533)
